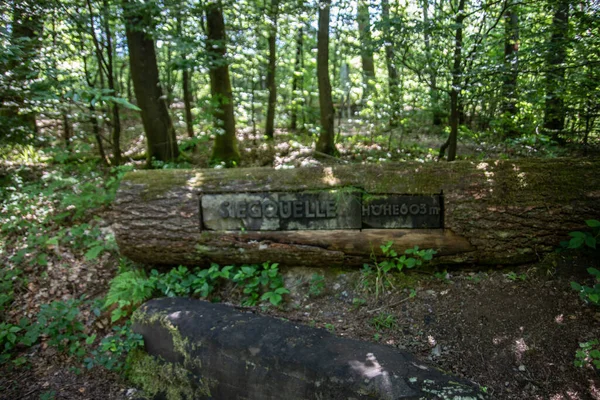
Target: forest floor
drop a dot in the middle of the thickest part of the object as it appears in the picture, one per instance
(514, 332)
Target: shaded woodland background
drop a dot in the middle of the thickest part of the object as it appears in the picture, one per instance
(518, 73)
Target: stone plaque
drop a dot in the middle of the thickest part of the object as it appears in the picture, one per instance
(325, 210)
(401, 211)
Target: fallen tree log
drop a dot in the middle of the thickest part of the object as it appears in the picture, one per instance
(495, 212)
(199, 350)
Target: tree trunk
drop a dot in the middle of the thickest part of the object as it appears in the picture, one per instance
(511, 69)
(296, 81)
(271, 86)
(185, 84)
(67, 131)
(554, 116)
(456, 109)
(431, 70)
(187, 102)
(160, 134)
(26, 40)
(225, 148)
(116, 118)
(366, 46)
(325, 144)
(96, 131)
(393, 80)
(523, 212)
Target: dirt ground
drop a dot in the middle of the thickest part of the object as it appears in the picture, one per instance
(512, 331)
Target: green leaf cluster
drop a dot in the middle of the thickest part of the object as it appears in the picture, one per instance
(381, 270)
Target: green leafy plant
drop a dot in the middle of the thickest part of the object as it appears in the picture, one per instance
(384, 321)
(59, 323)
(265, 279)
(112, 350)
(127, 291)
(9, 277)
(358, 302)
(513, 276)
(584, 239)
(393, 262)
(589, 294)
(316, 285)
(588, 354)
(330, 328)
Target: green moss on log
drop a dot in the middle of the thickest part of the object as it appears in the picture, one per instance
(500, 182)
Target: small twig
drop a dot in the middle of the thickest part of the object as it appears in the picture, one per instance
(390, 306)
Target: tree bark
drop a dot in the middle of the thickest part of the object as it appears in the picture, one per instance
(160, 134)
(431, 70)
(499, 212)
(225, 148)
(271, 86)
(554, 116)
(185, 84)
(325, 144)
(393, 79)
(26, 40)
(456, 109)
(366, 46)
(511, 69)
(296, 81)
(116, 118)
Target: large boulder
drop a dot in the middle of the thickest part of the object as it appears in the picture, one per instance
(200, 350)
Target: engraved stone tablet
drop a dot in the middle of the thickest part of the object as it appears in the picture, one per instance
(281, 211)
(401, 211)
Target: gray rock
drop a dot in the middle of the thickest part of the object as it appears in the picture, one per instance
(200, 350)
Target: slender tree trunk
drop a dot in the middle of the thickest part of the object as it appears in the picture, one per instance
(511, 69)
(325, 144)
(366, 43)
(96, 131)
(554, 116)
(271, 86)
(129, 91)
(160, 134)
(187, 101)
(116, 118)
(456, 108)
(296, 79)
(169, 75)
(66, 130)
(225, 148)
(185, 84)
(393, 79)
(431, 70)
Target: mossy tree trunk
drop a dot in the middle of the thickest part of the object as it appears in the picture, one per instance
(497, 212)
(225, 148)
